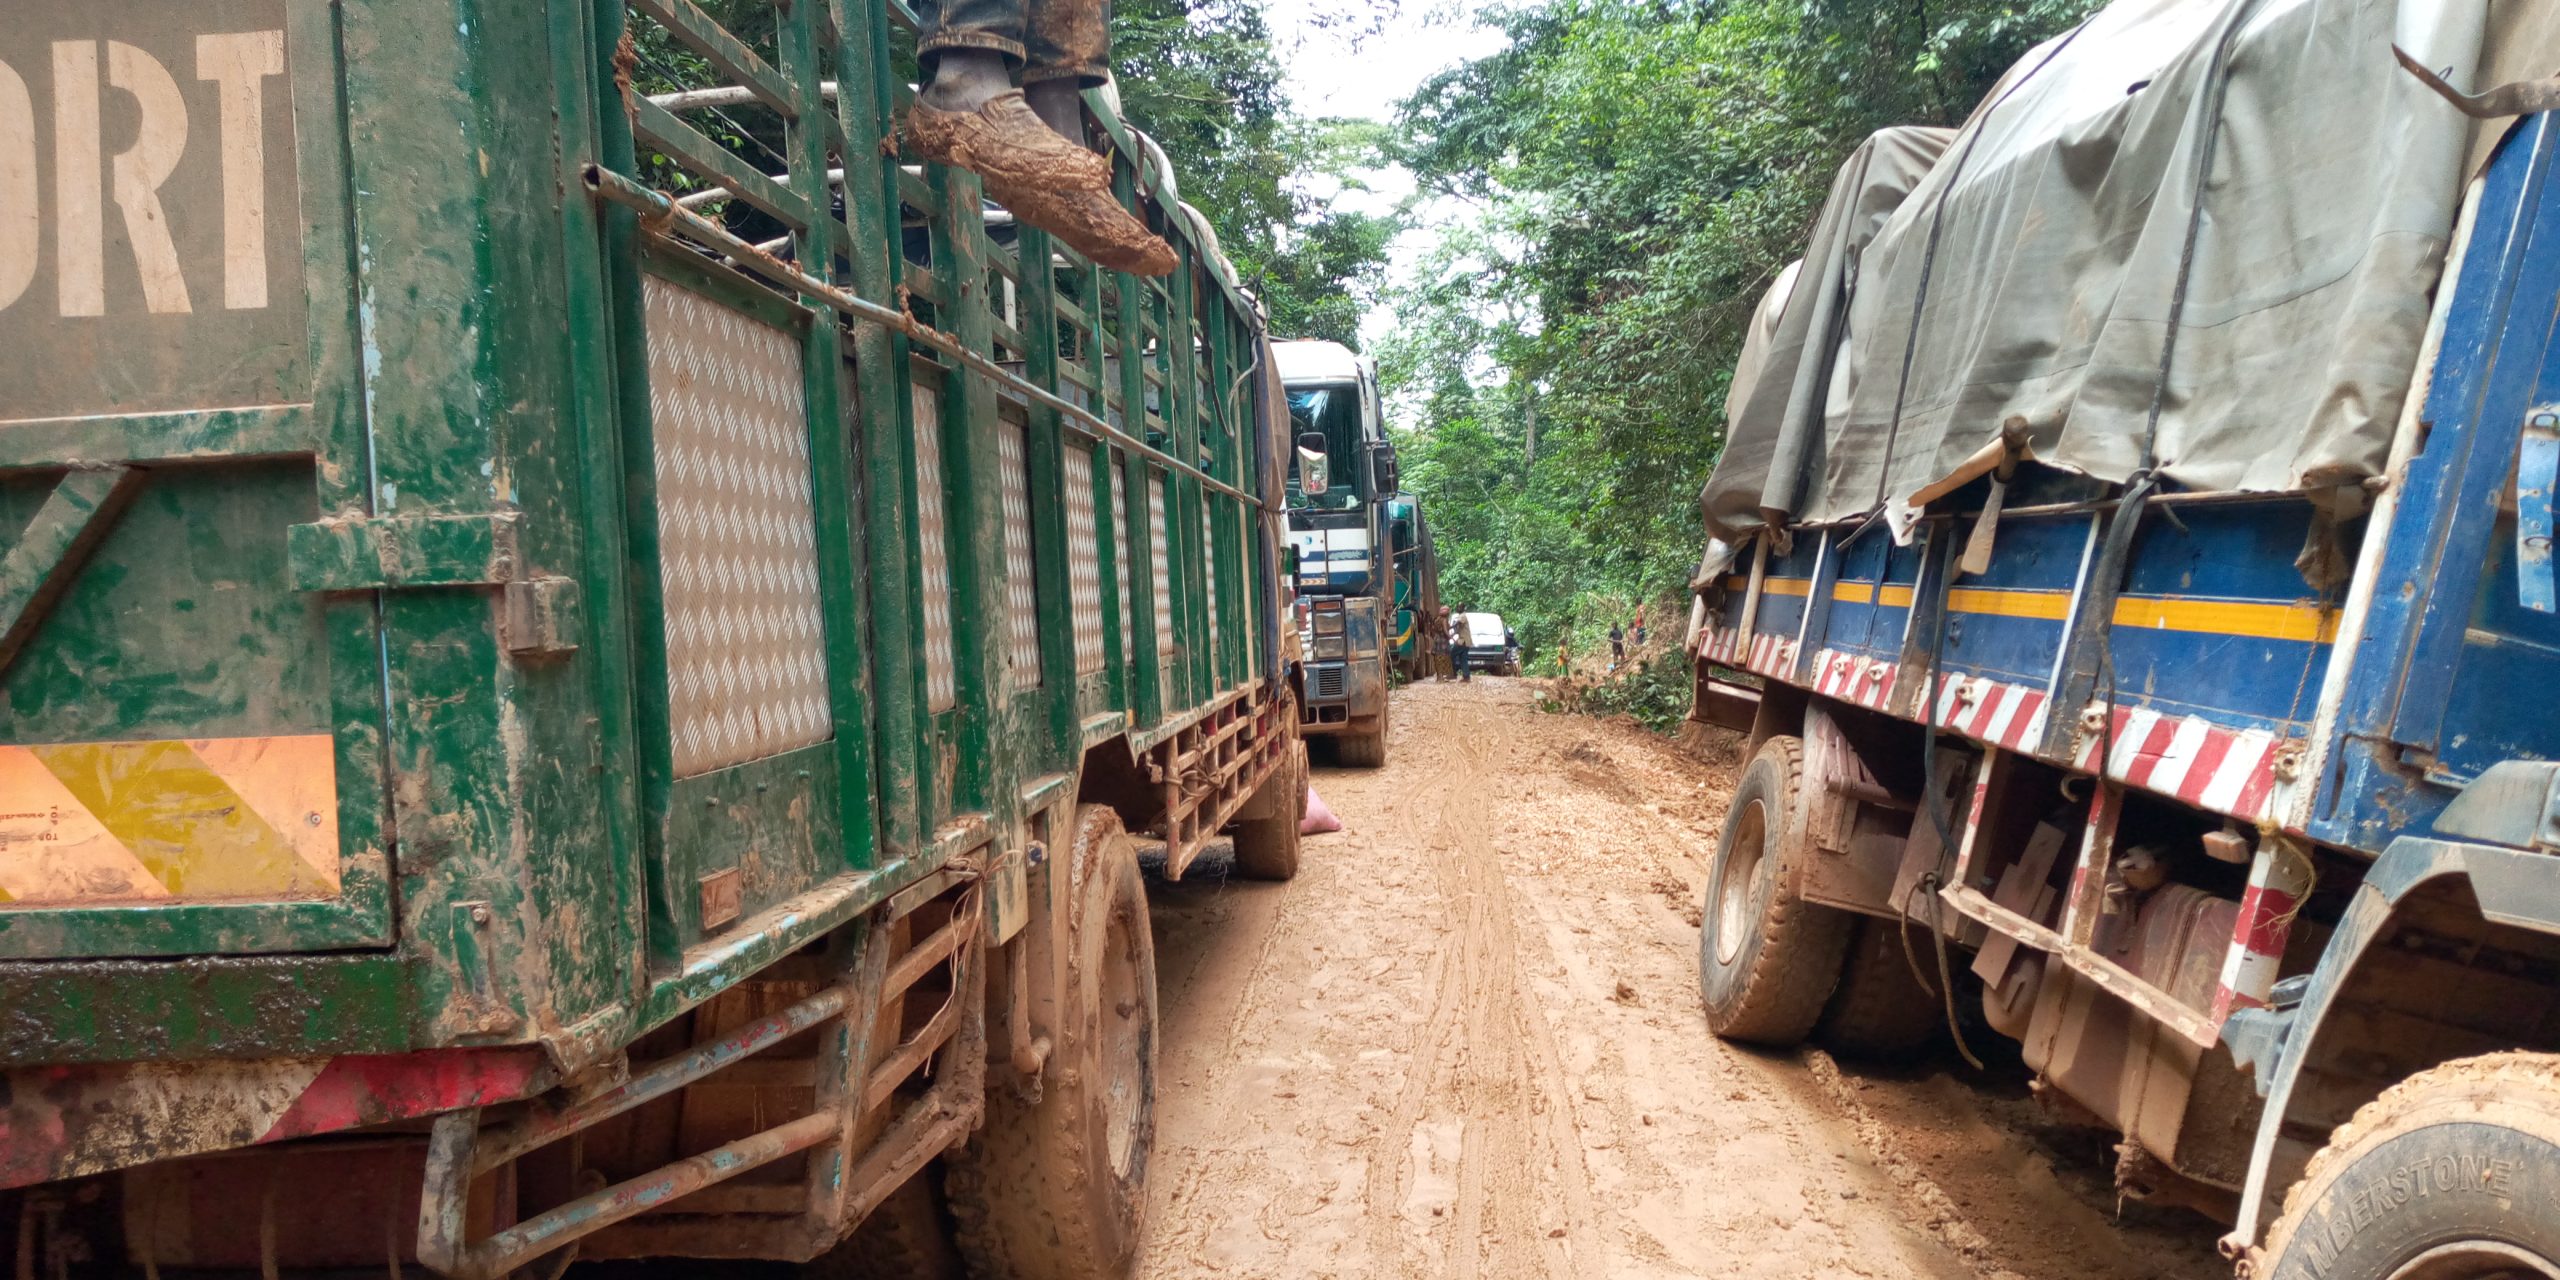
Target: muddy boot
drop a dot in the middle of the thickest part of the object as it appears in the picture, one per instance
(1033, 170)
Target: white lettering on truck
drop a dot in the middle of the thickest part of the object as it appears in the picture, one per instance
(85, 179)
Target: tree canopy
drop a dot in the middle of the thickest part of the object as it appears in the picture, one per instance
(1637, 172)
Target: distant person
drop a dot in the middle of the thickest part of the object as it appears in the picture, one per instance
(1564, 657)
(1639, 626)
(1458, 633)
(1617, 646)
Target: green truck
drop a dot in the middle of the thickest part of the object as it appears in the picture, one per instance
(587, 660)
(1420, 637)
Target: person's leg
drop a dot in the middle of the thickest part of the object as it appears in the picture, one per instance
(968, 50)
(1066, 50)
(965, 79)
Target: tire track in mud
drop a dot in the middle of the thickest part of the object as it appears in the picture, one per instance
(1465, 1043)
(1491, 1069)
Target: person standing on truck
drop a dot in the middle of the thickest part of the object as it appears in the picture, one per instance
(1027, 144)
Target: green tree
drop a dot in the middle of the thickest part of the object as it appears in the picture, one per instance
(1639, 172)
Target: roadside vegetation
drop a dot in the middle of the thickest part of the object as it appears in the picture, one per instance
(1633, 175)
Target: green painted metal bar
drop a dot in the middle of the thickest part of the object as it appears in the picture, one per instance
(686, 145)
(1147, 671)
(831, 444)
(592, 236)
(657, 205)
(687, 22)
(1050, 548)
(975, 513)
(75, 517)
(883, 393)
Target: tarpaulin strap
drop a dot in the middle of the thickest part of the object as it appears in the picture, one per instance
(2519, 98)
(1929, 257)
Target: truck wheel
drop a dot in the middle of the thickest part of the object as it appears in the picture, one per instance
(1767, 959)
(1267, 847)
(1364, 750)
(906, 1238)
(1880, 1010)
(2452, 1174)
(1057, 1189)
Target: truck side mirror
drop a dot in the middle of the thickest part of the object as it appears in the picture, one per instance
(1383, 469)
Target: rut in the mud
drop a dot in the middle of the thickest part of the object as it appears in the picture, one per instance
(1465, 1043)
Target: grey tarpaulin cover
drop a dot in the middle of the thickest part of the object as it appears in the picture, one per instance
(2061, 215)
(1782, 384)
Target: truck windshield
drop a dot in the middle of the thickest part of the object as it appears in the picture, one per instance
(1333, 410)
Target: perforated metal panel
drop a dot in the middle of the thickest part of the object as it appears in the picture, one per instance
(1021, 582)
(1120, 558)
(941, 684)
(1084, 561)
(737, 534)
(1163, 573)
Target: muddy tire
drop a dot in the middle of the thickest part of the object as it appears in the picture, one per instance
(1767, 959)
(1057, 1189)
(2452, 1173)
(1880, 1010)
(907, 1238)
(1267, 847)
(1363, 750)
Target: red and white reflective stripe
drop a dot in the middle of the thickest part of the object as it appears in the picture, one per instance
(2004, 715)
(1856, 678)
(2222, 770)
(2278, 878)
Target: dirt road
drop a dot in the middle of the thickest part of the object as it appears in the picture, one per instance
(1465, 1042)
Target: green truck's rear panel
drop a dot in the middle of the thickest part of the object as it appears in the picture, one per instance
(194, 758)
(436, 609)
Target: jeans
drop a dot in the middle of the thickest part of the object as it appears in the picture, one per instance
(1047, 39)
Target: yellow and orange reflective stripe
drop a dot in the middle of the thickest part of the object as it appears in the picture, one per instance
(203, 819)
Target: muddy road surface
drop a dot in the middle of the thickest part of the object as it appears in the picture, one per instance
(1465, 1043)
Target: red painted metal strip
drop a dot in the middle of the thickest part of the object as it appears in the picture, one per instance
(365, 1089)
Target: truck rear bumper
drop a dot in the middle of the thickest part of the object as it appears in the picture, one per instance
(72, 1121)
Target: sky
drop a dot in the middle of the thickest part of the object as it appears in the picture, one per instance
(1341, 61)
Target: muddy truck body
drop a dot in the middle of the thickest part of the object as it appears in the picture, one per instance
(1418, 643)
(2233, 804)
(586, 661)
(1342, 477)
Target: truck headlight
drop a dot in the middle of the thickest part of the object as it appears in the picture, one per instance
(1332, 647)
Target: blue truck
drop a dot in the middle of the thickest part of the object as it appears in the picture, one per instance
(1342, 473)
(2232, 801)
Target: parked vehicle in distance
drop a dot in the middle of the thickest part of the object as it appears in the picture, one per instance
(606, 699)
(2182, 710)
(1342, 472)
(1489, 645)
